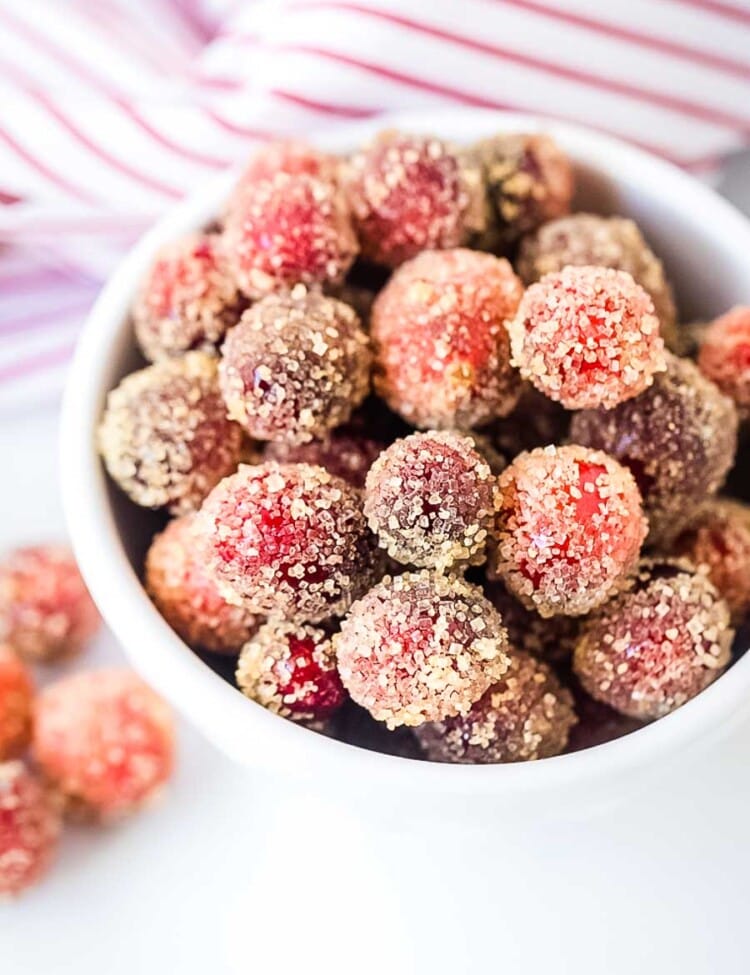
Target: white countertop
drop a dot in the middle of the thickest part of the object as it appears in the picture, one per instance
(232, 874)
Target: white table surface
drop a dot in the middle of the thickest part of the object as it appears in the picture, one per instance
(232, 874)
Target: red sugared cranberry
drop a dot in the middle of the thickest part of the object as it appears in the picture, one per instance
(291, 669)
(570, 528)
(16, 694)
(29, 828)
(46, 612)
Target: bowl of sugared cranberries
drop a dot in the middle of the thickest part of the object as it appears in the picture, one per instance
(382, 458)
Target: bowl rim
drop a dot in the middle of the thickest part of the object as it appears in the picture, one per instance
(243, 729)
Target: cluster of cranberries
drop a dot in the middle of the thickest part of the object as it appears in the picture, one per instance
(99, 743)
(433, 456)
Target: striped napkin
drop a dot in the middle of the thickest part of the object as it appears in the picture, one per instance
(111, 110)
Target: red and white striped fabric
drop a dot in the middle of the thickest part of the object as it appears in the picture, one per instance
(110, 110)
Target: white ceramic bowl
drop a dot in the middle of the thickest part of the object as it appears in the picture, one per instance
(705, 244)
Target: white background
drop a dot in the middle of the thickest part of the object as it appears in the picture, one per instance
(236, 874)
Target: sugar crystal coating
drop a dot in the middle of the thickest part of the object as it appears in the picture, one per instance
(678, 438)
(724, 356)
(570, 529)
(657, 645)
(104, 739)
(188, 299)
(718, 540)
(288, 540)
(589, 239)
(587, 337)
(552, 639)
(409, 194)
(432, 499)
(295, 366)
(16, 694)
(526, 716)
(286, 156)
(29, 828)
(528, 180)
(188, 597)
(345, 452)
(442, 353)
(165, 437)
(292, 228)
(420, 647)
(46, 612)
(290, 668)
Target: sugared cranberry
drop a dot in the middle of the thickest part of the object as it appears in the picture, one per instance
(442, 353)
(656, 646)
(587, 337)
(165, 436)
(420, 647)
(29, 828)
(46, 612)
(290, 669)
(570, 529)
(288, 540)
(16, 695)
(104, 739)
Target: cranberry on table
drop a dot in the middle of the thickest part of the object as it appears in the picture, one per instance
(587, 337)
(30, 825)
(410, 194)
(188, 299)
(590, 239)
(105, 740)
(420, 647)
(718, 540)
(656, 646)
(16, 701)
(165, 437)
(528, 180)
(46, 612)
(290, 668)
(724, 356)
(432, 499)
(187, 595)
(442, 353)
(288, 540)
(288, 229)
(570, 529)
(526, 716)
(679, 438)
(295, 367)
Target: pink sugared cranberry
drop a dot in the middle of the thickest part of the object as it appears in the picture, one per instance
(46, 612)
(570, 528)
(105, 739)
(29, 828)
(587, 337)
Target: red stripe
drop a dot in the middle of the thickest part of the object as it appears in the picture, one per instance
(59, 54)
(326, 108)
(236, 129)
(159, 137)
(45, 360)
(607, 29)
(462, 97)
(723, 9)
(670, 102)
(40, 167)
(8, 199)
(105, 156)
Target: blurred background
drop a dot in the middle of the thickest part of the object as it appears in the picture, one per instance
(110, 112)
